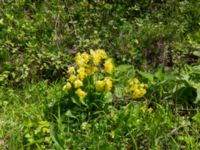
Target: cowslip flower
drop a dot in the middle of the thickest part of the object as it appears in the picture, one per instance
(138, 93)
(67, 86)
(72, 78)
(135, 80)
(108, 65)
(101, 53)
(87, 65)
(81, 94)
(143, 91)
(100, 85)
(142, 85)
(86, 57)
(81, 73)
(71, 70)
(90, 70)
(78, 83)
(133, 87)
(96, 58)
(136, 88)
(79, 60)
(108, 83)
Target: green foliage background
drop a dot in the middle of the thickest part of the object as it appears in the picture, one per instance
(157, 41)
(36, 36)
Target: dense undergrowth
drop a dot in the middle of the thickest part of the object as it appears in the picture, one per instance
(99, 74)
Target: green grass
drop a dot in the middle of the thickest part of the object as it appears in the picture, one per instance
(154, 41)
(30, 118)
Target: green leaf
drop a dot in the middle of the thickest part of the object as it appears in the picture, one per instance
(186, 95)
(108, 97)
(1, 21)
(160, 74)
(69, 114)
(198, 96)
(119, 91)
(196, 118)
(196, 53)
(146, 75)
(123, 68)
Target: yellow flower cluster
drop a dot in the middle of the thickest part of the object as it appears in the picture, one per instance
(81, 94)
(87, 64)
(75, 79)
(105, 84)
(136, 88)
(67, 86)
(98, 55)
(108, 66)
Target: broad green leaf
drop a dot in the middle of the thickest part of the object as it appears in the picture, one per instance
(146, 75)
(108, 97)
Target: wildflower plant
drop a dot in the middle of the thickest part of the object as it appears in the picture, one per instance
(136, 88)
(89, 78)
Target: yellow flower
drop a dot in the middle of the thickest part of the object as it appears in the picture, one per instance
(99, 85)
(81, 73)
(86, 57)
(96, 58)
(133, 87)
(138, 89)
(143, 91)
(135, 80)
(72, 78)
(130, 81)
(101, 53)
(78, 83)
(142, 85)
(67, 86)
(90, 70)
(108, 83)
(81, 94)
(79, 60)
(137, 92)
(71, 70)
(108, 66)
